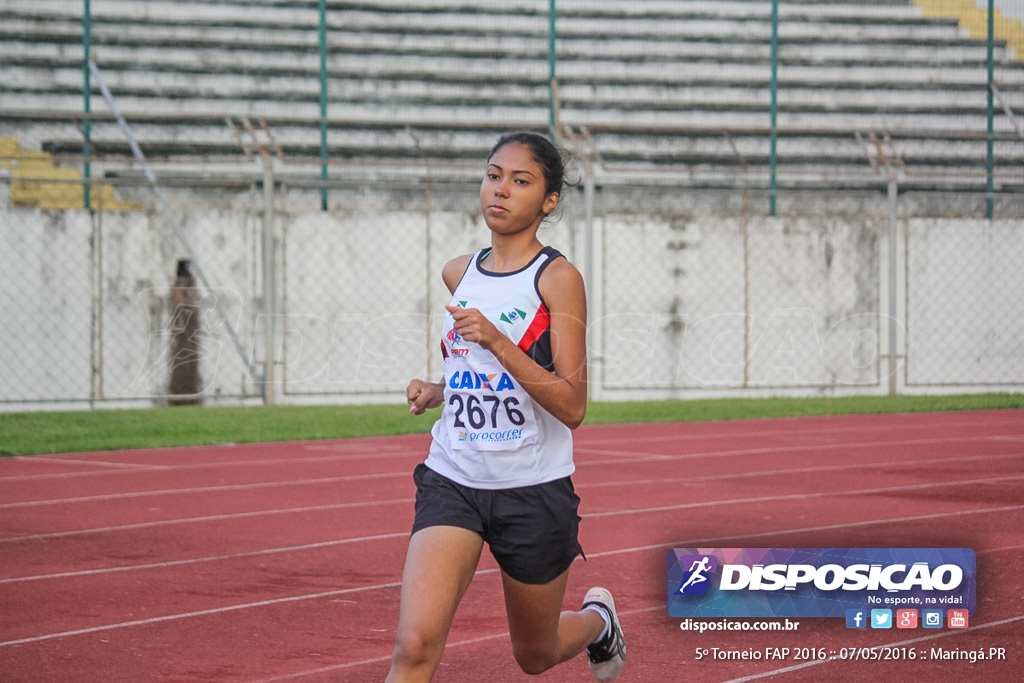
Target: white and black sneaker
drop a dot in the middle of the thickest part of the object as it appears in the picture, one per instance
(606, 656)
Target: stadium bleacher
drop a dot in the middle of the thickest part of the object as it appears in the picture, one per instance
(681, 87)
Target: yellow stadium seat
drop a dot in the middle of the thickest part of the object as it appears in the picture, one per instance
(975, 20)
(36, 181)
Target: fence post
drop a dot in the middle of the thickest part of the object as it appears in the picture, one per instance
(989, 157)
(773, 136)
(269, 302)
(552, 77)
(96, 280)
(893, 193)
(86, 103)
(589, 264)
(323, 103)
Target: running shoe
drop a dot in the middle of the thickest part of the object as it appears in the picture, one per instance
(607, 656)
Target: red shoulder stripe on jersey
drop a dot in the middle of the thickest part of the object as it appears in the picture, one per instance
(540, 323)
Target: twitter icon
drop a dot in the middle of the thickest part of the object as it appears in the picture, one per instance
(881, 618)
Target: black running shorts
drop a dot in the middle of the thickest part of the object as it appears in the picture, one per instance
(532, 531)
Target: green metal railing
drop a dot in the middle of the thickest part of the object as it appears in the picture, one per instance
(774, 134)
(990, 115)
(552, 68)
(86, 101)
(553, 98)
(323, 102)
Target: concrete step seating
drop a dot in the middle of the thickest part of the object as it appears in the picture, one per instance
(672, 83)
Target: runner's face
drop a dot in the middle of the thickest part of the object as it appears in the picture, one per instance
(513, 195)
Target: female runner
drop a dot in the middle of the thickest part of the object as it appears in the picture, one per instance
(499, 465)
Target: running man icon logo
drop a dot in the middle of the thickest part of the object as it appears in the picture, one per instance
(695, 581)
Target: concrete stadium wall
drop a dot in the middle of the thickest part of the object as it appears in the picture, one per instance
(679, 307)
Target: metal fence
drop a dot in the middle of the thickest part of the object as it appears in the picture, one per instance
(692, 292)
(762, 207)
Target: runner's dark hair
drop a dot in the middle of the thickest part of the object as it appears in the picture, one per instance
(550, 157)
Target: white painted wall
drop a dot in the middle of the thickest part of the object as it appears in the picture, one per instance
(361, 299)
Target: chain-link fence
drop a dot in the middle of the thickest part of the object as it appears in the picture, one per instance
(699, 299)
(774, 197)
(964, 318)
(692, 292)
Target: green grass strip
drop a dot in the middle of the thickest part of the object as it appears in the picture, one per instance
(748, 408)
(58, 432)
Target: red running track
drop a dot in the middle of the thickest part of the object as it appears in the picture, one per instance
(281, 562)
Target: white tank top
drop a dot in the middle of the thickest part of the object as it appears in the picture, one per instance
(491, 434)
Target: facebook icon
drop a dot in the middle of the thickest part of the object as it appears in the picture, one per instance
(856, 618)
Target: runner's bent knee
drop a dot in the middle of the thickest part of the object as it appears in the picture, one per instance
(534, 660)
(416, 648)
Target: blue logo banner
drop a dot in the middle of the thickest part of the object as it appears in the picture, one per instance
(818, 582)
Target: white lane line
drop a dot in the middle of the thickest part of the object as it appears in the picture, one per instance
(402, 450)
(999, 550)
(642, 610)
(208, 518)
(800, 470)
(199, 613)
(204, 489)
(800, 431)
(343, 446)
(505, 634)
(782, 450)
(266, 551)
(57, 460)
(900, 643)
(630, 457)
(375, 660)
(387, 658)
(804, 496)
(612, 513)
(209, 558)
(711, 542)
(288, 460)
(396, 584)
